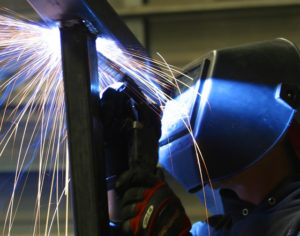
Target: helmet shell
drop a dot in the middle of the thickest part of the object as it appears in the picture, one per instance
(241, 104)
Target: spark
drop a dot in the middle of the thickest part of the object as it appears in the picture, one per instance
(31, 88)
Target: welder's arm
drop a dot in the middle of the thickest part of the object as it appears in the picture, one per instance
(149, 207)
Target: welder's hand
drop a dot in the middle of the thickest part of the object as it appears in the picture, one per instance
(116, 116)
(149, 207)
(147, 131)
(131, 130)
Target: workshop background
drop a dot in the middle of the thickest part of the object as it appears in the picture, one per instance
(180, 31)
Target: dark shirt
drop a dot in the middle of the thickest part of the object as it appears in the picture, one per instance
(277, 215)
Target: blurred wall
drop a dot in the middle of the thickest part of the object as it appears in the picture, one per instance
(183, 32)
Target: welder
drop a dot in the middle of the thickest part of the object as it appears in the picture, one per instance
(249, 138)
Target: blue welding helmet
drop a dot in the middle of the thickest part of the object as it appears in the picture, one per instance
(239, 106)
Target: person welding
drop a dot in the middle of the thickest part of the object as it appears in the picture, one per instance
(245, 125)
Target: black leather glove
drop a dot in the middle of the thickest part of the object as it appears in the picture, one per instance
(117, 116)
(149, 207)
(131, 130)
(131, 133)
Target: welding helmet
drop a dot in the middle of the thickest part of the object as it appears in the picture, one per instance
(241, 103)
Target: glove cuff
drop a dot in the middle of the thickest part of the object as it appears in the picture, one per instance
(161, 214)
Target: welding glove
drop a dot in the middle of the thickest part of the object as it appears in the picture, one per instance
(131, 130)
(149, 207)
(116, 116)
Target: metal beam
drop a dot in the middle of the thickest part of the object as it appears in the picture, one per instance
(79, 59)
(98, 13)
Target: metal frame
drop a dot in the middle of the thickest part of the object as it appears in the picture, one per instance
(81, 22)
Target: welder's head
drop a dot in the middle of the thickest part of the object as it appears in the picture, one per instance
(248, 99)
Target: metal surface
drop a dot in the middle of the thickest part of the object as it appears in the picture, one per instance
(84, 132)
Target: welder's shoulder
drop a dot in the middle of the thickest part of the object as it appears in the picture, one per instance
(290, 209)
(284, 217)
(287, 222)
(286, 226)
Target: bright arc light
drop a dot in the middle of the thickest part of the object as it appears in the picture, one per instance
(108, 48)
(51, 38)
